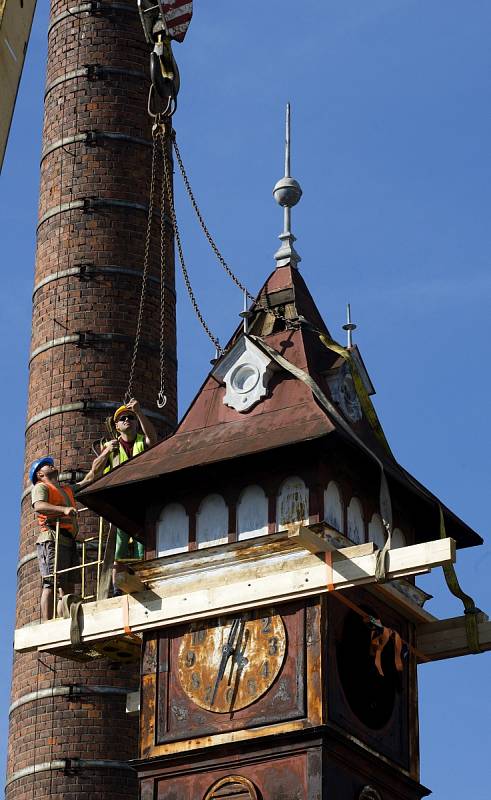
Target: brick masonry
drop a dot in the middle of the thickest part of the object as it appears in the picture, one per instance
(101, 305)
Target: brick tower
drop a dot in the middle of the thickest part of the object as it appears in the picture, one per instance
(69, 732)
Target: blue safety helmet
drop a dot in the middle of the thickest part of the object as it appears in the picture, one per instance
(40, 462)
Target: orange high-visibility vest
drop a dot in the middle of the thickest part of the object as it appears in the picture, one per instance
(58, 496)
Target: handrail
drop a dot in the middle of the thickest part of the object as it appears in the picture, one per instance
(82, 567)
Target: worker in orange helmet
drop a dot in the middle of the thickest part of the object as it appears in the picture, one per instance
(135, 433)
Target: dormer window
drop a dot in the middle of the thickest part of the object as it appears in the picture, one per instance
(246, 372)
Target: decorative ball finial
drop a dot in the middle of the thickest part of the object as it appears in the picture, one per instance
(287, 193)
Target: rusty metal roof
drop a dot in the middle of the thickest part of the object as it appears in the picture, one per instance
(211, 432)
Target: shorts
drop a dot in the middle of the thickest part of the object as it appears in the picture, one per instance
(67, 557)
(126, 549)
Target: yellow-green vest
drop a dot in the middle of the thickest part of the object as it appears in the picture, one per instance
(115, 459)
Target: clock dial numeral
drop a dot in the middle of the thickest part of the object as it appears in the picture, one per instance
(232, 662)
(190, 658)
(195, 681)
(266, 625)
(199, 636)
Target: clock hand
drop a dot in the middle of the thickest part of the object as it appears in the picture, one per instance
(227, 650)
(241, 662)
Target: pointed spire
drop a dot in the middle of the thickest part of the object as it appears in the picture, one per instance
(287, 193)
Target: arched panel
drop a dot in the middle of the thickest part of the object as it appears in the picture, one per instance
(356, 525)
(292, 503)
(234, 787)
(172, 530)
(398, 539)
(252, 513)
(333, 507)
(212, 521)
(376, 533)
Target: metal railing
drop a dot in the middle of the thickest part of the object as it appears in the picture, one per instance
(82, 567)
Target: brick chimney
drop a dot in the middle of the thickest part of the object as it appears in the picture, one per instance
(70, 735)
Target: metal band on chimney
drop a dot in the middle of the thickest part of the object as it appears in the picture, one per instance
(90, 405)
(93, 204)
(86, 271)
(83, 340)
(90, 8)
(68, 765)
(30, 556)
(94, 72)
(91, 138)
(70, 691)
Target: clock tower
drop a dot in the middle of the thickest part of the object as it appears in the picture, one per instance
(281, 625)
(273, 683)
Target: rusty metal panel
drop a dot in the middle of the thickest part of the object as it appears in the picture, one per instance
(183, 713)
(372, 707)
(315, 666)
(148, 689)
(147, 789)
(273, 778)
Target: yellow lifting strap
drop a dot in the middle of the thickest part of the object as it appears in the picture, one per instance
(365, 401)
(470, 610)
(385, 499)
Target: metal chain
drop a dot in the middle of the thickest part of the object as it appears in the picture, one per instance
(207, 233)
(146, 260)
(213, 244)
(162, 397)
(170, 200)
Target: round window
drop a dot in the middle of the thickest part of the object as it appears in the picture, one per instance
(245, 378)
(371, 696)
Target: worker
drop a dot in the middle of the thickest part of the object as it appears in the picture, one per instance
(134, 434)
(54, 503)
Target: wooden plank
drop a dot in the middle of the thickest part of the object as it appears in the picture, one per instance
(316, 544)
(394, 598)
(278, 578)
(129, 583)
(447, 638)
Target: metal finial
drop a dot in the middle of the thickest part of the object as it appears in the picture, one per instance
(287, 193)
(246, 314)
(350, 326)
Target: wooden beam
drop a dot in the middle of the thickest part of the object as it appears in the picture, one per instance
(317, 544)
(281, 571)
(128, 582)
(394, 598)
(447, 638)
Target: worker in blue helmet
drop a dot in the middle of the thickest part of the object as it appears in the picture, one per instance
(54, 503)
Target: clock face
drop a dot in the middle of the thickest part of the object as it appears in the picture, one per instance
(227, 664)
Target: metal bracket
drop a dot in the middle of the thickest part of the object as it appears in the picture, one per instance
(72, 766)
(89, 204)
(83, 339)
(91, 138)
(94, 71)
(87, 271)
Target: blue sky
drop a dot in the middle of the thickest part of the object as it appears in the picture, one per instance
(391, 131)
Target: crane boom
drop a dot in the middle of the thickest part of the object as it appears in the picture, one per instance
(15, 28)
